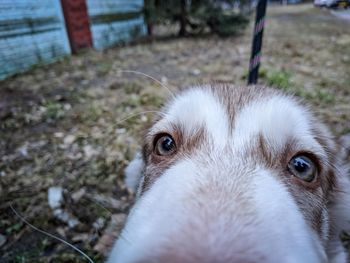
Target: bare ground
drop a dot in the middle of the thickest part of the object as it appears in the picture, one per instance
(61, 125)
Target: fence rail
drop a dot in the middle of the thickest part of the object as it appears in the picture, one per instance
(39, 32)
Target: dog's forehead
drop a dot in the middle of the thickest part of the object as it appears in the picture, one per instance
(239, 114)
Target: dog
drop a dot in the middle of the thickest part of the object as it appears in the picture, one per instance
(236, 174)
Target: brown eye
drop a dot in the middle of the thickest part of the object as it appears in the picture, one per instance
(303, 168)
(165, 145)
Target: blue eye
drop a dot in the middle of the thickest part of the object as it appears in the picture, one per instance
(303, 168)
(165, 145)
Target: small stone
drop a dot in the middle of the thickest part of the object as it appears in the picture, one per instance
(99, 223)
(38, 144)
(144, 118)
(196, 72)
(66, 217)
(89, 151)
(69, 139)
(67, 106)
(76, 196)
(120, 131)
(62, 231)
(23, 150)
(55, 197)
(58, 134)
(108, 202)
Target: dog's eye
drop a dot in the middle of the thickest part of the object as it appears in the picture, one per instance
(303, 168)
(165, 145)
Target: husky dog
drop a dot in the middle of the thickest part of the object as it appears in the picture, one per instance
(236, 174)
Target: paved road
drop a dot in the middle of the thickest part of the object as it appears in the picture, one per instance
(344, 14)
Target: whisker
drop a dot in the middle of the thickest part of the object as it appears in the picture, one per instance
(150, 77)
(51, 235)
(136, 114)
(98, 204)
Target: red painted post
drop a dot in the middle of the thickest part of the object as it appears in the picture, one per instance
(77, 24)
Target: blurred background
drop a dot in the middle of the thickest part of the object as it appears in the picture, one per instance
(71, 119)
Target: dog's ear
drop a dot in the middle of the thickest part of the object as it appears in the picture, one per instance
(134, 172)
(340, 202)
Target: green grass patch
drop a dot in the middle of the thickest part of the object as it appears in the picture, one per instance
(104, 68)
(325, 96)
(278, 78)
(318, 96)
(54, 110)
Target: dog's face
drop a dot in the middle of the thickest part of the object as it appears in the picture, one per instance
(233, 174)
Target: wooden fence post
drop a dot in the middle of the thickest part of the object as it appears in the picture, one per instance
(77, 23)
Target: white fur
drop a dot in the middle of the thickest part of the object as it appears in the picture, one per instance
(278, 119)
(195, 109)
(133, 172)
(147, 231)
(143, 219)
(161, 216)
(273, 201)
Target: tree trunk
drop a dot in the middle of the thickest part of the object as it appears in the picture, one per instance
(149, 13)
(150, 29)
(183, 18)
